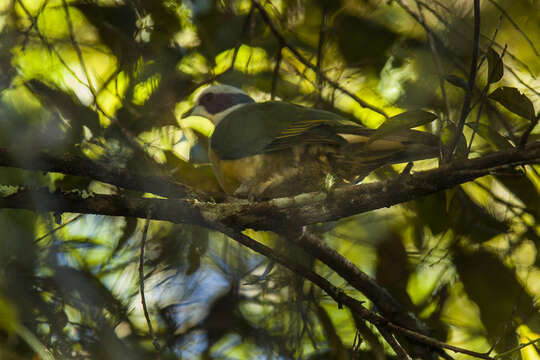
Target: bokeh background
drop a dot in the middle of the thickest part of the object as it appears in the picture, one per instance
(109, 80)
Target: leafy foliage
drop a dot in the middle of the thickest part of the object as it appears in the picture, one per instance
(109, 81)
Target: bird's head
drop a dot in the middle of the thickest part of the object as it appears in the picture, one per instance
(216, 101)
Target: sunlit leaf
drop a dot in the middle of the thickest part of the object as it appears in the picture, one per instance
(513, 100)
(8, 316)
(403, 121)
(447, 137)
(457, 81)
(129, 231)
(491, 135)
(501, 298)
(523, 188)
(66, 104)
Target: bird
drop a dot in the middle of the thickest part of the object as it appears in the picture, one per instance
(264, 150)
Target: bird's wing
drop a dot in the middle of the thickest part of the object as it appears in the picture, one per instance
(262, 127)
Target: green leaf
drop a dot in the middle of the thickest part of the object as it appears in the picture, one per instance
(495, 66)
(523, 188)
(502, 301)
(457, 81)
(8, 316)
(472, 220)
(403, 121)
(393, 269)
(447, 136)
(514, 101)
(488, 133)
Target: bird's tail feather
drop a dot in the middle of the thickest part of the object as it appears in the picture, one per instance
(359, 156)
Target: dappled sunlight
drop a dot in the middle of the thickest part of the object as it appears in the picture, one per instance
(367, 186)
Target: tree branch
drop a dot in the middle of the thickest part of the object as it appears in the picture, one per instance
(155, 341)
(275, 214)
(80, 166)
(291, 212)
(466, 107)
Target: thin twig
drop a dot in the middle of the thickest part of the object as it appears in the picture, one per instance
(337, 294)
(307, 63)
(141, 282)
(322, 38)
(532, 342)
(465, 109)
(516, 26)
(58, 228)
(525, 136)
(394, 344)
(78, 49)
(453, 58)
(437, 61)
(520, 80)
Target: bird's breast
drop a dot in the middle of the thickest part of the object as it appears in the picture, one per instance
(273, 174)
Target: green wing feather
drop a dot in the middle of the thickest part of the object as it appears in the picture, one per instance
(262, 127)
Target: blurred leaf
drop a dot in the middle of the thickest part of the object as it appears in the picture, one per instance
(116, 25)
(393, 269)
(473, 221)
(488, 133)
(200, 177)
(447, 136)
(110, 347)
(431, 211)
(455, 210)
(337, 350)
(513, 100)
(495, 66)
(219, 29)
(503, 302)
(197, 248)
(72, 182)
(523, 188)
(127, 233)
(78, 286)
(403, 121)
(363, 49)
(450, 193)
(457, 81)
(165, 24)
(8, 316)
(66, 104)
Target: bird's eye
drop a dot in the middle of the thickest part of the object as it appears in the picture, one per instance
(207, 98)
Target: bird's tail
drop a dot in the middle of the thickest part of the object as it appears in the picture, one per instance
(359, 156)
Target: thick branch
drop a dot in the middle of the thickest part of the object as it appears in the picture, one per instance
(283, 213)
(343, 299)
(80, 166)
(346, 201)
(387, 305)
(300, 210)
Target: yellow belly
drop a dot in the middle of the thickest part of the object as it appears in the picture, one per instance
(268, 175)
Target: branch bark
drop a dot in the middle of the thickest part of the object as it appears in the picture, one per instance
(276, 214)
(80, 166)
(232, 217)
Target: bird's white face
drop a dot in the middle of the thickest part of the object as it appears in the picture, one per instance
(218, 100)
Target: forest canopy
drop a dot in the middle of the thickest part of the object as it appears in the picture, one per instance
(118, 241)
